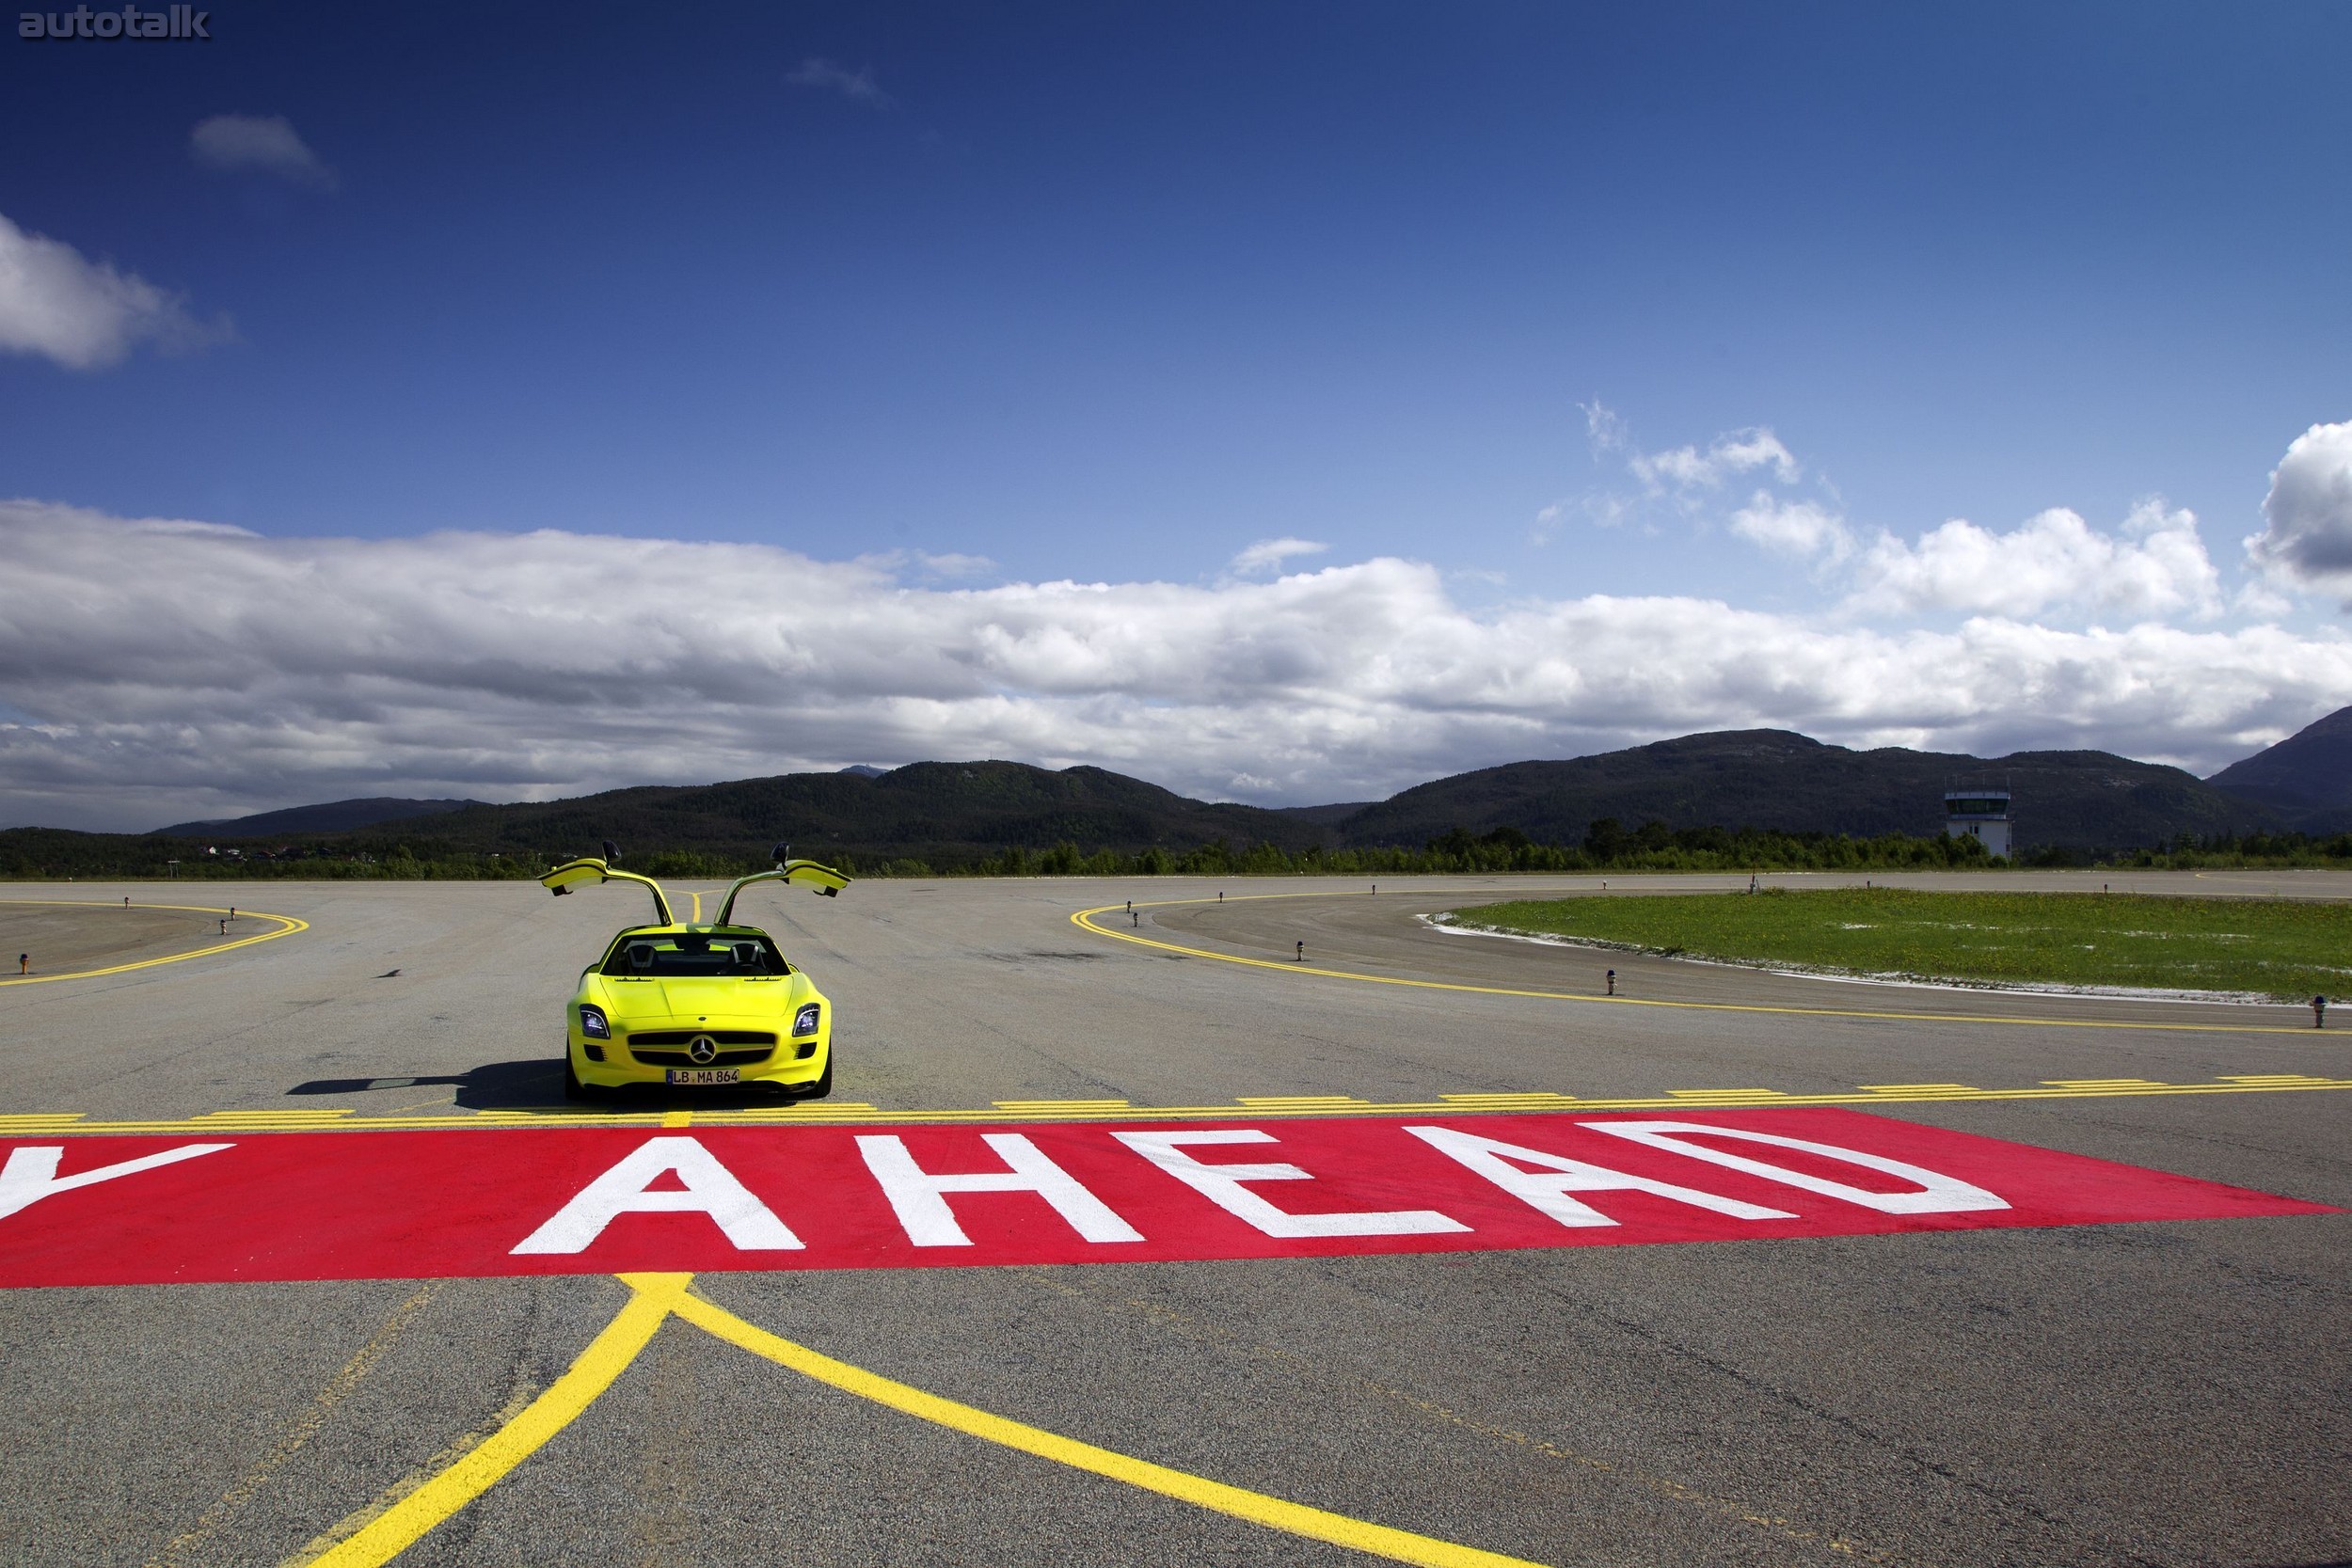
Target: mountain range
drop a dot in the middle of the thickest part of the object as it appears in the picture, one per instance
(949, 812)
(2306, 778)
(334, 817)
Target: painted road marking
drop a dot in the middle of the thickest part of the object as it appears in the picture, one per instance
(1303, 1366)
(30, 1174)
(1273, 1513)
(287, 926)
(305, 1427)
(1085, 919)
(858, 1112)
(387, 1531)
(272, 1118)
(429, 1205)
(395, 1529)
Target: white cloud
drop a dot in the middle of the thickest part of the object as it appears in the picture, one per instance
(165, 670)
(80, 313)
(831, 75)
(2155, 567)
(2309, 542)
(1604, 431)
(931, 567)
(1737, 452)
(1268, 555)
(1684, 478)
(2257, 599)
(264, 143)
(1798, 527)
(1599, 509)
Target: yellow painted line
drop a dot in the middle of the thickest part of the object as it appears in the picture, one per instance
(287, 926)
(677, 1118)
(388, 1533)
(384, 1532)
(845, 1115)
(1085, 919)
(324, 1113)
(698, 907)
(1061, 1104)
(305, 1427)
(1277, 1101)
(1315, 1524)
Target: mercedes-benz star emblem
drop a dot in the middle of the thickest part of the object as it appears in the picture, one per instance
(701, 1048)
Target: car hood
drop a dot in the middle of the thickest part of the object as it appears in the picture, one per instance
(712, 999)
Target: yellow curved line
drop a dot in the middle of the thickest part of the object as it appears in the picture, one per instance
(654, 1297)
(287, 926)
(1084, 919)
(1273, 1513)
(385, 1536)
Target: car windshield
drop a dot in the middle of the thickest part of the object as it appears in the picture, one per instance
(723, 955)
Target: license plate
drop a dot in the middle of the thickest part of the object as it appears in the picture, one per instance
(706, 1076)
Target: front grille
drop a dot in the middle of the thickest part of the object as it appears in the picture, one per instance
(722, 1059)
(719, 1036)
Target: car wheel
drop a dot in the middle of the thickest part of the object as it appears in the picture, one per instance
(823, 1085)
(573, 1087)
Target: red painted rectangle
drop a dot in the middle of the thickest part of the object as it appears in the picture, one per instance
(405, 1204)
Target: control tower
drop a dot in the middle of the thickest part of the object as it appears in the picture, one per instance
(1982, 814)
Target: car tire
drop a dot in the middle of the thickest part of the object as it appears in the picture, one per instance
(574, 1088)
(823, 1085)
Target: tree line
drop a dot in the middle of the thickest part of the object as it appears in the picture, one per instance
(1607, 845)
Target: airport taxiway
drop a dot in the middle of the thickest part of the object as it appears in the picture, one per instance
(2171, 1392)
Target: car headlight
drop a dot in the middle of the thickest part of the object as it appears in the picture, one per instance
(804, 1022)
(592, 1022)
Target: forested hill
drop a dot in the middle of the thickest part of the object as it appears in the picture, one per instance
(939, 812)
(334, 817)
(2306, 778)
(1779, 779)
(956, 814)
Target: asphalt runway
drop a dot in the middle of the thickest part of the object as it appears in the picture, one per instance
(2166, 1392)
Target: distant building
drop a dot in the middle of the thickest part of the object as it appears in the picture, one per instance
(1980, 813)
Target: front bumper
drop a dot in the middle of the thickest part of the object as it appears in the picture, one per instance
(647, 1055)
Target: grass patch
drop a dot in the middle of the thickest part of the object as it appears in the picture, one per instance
(2290, 951)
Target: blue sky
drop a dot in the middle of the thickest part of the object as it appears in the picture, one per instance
(1111, 294)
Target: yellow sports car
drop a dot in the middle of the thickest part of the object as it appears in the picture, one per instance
(694, 1004)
